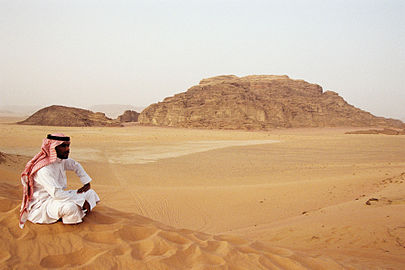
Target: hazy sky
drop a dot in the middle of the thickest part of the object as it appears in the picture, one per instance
(86, 52)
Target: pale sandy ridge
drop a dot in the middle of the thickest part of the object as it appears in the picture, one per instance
(145, 154)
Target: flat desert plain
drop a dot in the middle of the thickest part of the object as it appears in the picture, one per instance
(215, 199)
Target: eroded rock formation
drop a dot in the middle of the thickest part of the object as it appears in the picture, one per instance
(258, 102)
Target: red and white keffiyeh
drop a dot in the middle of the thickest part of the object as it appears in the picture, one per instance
(46, 156)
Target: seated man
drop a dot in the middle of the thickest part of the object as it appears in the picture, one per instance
(45, 199)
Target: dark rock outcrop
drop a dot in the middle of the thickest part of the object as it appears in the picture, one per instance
(128, 116)
(56, 115)
(385, 131)
(258, 102)
(2, 157)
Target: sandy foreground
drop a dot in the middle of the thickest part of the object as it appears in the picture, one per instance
(209, 199)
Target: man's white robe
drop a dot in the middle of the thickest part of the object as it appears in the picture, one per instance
(51, 201)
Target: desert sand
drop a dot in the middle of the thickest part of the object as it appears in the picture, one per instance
(215, 199)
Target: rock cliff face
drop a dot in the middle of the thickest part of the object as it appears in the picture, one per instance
(128, 116)
(69, 117)
(258, 102)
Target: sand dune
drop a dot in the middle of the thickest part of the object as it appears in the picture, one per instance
(316, 199)
(110, 239)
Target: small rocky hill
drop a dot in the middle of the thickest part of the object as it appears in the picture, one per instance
(112, 110)
(128, 116)
(56, 115)
(258, 102)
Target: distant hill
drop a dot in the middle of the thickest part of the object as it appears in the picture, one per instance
(114, 110)
(7, 113)
(18, 110)
(67, 116)
(258, 102)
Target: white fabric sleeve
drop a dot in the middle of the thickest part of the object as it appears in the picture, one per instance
(72, 165)
(46, 178)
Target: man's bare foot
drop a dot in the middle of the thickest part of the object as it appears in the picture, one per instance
(86, 207)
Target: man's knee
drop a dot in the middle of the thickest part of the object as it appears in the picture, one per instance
(69, 209)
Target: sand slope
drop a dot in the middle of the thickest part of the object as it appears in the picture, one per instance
(110, 239)
(368, 232)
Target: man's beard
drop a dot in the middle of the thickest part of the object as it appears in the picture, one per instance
(63, 155)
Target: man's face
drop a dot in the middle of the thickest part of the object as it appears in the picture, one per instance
(62, 150)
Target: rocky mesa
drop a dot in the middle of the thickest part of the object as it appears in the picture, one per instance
(56, 115)
(258, 102)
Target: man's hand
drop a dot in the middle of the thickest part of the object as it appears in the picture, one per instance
(84, 188)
